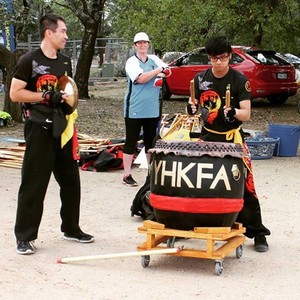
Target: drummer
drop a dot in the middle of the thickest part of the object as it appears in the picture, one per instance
(222, 96)
(35, 83)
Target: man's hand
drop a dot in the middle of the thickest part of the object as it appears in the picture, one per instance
(229, 113)
(54, 97)
(191, 107)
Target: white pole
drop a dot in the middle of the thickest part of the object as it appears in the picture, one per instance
(116, 255)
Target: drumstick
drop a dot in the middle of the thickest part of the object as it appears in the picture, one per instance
(192, 91)
(118, 255)
(227, 98)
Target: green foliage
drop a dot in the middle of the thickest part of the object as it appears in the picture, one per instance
(5, 116)
(176, 25)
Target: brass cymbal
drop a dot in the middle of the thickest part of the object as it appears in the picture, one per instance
(68, 85)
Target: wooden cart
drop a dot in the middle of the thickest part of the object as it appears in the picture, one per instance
(229, 238)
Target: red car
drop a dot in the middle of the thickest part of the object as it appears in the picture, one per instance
(270, 74)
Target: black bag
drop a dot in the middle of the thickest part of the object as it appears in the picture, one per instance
(141, 205)
(41, 114)
(48, 117)
(108, 160)
(105, 160)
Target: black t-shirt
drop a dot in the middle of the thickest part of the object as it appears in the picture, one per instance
(211, 93)
(40, 72)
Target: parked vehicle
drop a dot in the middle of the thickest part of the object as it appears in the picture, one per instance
(271, 76)
(295, 61)
(171, 56)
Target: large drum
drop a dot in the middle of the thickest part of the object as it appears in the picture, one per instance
(196, 184)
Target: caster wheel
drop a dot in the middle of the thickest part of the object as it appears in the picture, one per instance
(219, 267)
(239, 251)
(171, 242)
(145, 260)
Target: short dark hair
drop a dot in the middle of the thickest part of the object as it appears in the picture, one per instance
(218, 45)
(49, 21)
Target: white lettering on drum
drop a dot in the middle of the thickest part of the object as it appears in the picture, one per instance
(157, 167)
(178, 175)
(181, 174)
(201, 175)
(222, 175)
(162, 165)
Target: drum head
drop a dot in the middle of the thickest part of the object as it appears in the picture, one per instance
(68, 85)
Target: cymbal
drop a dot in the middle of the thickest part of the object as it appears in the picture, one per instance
(68, 85)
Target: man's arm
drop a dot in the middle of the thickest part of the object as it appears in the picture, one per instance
(242, 114)
(18, 93)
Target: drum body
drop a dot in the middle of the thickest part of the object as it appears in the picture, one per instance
(196, 184)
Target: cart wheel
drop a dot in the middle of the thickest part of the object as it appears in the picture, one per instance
(171, 242)
(145, 261)
(239, 251)
(219, 267)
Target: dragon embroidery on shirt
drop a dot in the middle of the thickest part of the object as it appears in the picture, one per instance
(38, 69)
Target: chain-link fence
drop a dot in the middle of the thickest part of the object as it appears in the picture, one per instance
(109, 58)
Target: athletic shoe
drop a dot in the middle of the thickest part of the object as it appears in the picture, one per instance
(260, 243)
(129, 181)
(81, 237)
(25, 247)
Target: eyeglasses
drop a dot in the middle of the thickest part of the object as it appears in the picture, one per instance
(222, 58)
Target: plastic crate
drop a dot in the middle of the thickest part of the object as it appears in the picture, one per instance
(262, 147)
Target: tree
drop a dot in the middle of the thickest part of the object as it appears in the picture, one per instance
(175, 25)
(90, 14)
(8, 59)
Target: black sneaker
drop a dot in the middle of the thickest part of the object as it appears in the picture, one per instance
(129, 181)
(81, 237)
(260, 243)
(25, 247)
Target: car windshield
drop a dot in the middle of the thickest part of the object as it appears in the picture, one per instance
(197, 57)
(267, 57)
(292, 58)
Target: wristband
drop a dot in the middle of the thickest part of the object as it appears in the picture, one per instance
(230, 114)
(53, 97)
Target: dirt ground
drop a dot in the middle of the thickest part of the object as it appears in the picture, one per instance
(105, 213)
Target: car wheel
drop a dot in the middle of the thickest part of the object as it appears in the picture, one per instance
(165, 92)
(277, 99)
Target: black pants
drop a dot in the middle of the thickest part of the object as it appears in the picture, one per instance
(250, 215)
(43, 155)
(133, 130)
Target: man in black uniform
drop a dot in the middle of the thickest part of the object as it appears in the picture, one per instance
(222, 123)
(35, 83)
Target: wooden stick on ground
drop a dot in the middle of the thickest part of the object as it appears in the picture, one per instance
(117, 255)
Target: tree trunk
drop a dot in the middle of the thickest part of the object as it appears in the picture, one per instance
(85, 61)
(91, 21)
(9, 60)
